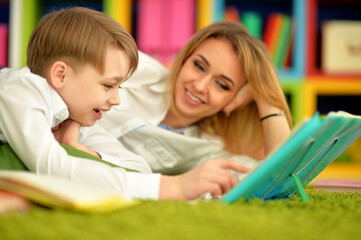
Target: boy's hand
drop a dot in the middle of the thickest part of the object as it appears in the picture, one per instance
(67, 133)
(212, 176)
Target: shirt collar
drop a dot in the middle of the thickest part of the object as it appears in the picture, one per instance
(58, 108)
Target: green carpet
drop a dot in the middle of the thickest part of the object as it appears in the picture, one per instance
(326, 216)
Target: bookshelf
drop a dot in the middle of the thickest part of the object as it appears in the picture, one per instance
(296, 11)
(306, 85)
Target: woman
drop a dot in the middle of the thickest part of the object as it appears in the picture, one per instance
(221, 100)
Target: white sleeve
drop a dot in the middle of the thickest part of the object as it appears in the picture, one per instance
(25, 125)
(149, 71)
(112, 150)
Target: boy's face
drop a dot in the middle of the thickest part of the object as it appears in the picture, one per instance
(88, 94)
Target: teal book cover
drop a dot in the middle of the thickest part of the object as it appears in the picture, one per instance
(312, 146)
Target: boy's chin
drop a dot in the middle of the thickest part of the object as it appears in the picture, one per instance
(87, 124)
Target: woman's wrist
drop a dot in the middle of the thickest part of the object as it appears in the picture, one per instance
(266, 109)
(282, 113)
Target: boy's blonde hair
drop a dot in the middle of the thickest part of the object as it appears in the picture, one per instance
(77, 36)
(241, 131)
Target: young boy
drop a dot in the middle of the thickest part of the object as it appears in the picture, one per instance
(77, 58)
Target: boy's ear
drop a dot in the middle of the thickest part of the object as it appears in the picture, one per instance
(57, 75)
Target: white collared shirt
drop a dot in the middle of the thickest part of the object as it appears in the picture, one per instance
(30, 108)
(135, 123)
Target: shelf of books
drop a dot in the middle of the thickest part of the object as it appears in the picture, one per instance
(315, 44)
(334, 40)
(281, 25)
(333, 66)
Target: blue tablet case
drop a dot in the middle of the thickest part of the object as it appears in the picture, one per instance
(312, 146)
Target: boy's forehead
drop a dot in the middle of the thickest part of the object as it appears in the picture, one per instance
(117, 64)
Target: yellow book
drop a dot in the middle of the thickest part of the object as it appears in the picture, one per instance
(204, 13)
(120, 11)
(62, 193)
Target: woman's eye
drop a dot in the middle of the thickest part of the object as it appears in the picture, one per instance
(223, 86)
(199, 66)
(108, 86)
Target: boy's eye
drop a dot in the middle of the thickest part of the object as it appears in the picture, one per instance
(198, 65)
(223, 86)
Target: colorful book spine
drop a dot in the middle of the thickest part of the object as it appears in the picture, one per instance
(269, 26)
(31, 15)
(149, 26)
(253, 22)
(232, 14)
(120, 11)
(287, 57)
(4, 36)
(204, 13)
(272, 32)
(181, 17)
(218, 10)
(164, 27)
(282, 40)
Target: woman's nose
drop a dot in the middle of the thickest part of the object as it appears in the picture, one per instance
(202, 84)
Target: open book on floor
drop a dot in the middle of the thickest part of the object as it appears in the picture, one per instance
(312, 146)
(61, 193)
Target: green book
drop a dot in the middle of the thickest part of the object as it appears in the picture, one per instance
(283, 40)
(253, 22)
(312, 146)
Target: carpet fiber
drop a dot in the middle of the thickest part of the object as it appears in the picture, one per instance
(327, 216)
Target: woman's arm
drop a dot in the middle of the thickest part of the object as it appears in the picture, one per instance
(275, 129)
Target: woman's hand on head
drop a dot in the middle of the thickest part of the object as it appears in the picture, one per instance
(212, 176)
(245, 96)
(240, 100)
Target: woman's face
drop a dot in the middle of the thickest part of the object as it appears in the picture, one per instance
(209, 79)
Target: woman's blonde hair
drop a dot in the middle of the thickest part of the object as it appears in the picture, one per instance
(241, 131)
(77, 36)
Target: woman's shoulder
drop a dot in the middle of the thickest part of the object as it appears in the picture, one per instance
(149, 71)
(149, 65)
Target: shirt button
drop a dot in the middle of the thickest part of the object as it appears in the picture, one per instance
(63, 115)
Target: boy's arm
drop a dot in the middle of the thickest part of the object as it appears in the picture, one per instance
(111, 150)
(25, 122)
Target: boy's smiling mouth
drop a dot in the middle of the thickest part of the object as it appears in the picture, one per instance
(98, 113)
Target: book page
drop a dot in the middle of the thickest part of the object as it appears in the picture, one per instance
(60, 192)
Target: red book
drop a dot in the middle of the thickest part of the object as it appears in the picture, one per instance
(232, 14)
(4, 31)
(272, 32)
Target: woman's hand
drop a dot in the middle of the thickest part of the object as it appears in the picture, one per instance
(212, 176)
(240, 100)
(67, 133)
(275, 129)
